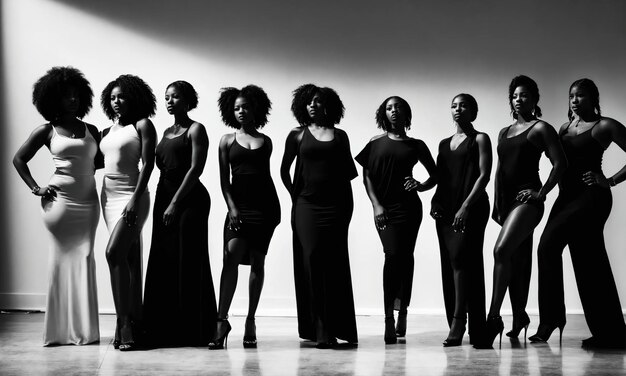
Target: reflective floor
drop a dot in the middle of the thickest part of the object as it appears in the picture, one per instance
(280, 352)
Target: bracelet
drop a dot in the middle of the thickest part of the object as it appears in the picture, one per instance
(35, 190)
(611, 182)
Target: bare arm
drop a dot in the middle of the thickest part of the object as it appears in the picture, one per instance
(98, 160)
(546, 138)
(291, 150)
(609, 130)
(429, 163)
(225, 183)
(37, 139)
(380, 217)
(199, 147)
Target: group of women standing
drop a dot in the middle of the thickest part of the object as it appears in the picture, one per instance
(179, 305)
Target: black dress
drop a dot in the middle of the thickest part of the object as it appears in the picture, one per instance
(457, 172)
(255, 195)
(577, 220)
(390, 162)
(322, 209)
(179, 300)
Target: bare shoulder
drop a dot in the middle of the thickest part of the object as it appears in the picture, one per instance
(145, 124)
(483, 138)
(197, 128)
(543, 128)
(609, 124)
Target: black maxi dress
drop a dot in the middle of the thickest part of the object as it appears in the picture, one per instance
(457, 172)
(179, 299)
(577, 220)
(390, 162)
(519, 170)
(322, 209)
(255, 195)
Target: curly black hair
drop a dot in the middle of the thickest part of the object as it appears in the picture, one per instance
(142, 102)
(531, 86)
(381, 114)
(302, 96)
(187, 91)
(49, 90)
(591, 89)
(261, 105)
(472, 103)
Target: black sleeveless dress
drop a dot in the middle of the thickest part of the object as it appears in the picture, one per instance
(255, 195)
(577, 220)
(321, 215)
(457, 172)
(179, 299)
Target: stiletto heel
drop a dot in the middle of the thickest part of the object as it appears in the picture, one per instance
(518, 325)
(249, 340)
(116, 339)
(493, 327)
(545, 331)
(127, 340)
(455, 339)
(390, 331)
(401, 325)
(220, 340)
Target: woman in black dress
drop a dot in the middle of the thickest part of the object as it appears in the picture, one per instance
(253, 207)
(388, 162)
(179, 302)
(518, 205)
(322, 208)
(577, 220)
(460, 207)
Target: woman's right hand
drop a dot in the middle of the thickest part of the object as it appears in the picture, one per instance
(48, 193)
(435, 214)
(380, 217)
(234, 222)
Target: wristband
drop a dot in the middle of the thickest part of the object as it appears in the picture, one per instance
(35, 190)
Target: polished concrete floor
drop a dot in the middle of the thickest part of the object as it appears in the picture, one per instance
(280, 352)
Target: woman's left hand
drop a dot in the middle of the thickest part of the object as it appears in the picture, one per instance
(529, 195)
(169, 214)
(129, 214)
(595, 178)
(411, 184)
(459, 222)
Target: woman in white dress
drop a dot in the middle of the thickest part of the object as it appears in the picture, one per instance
(69, 203)
(128, 101)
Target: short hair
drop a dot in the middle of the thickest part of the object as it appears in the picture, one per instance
(302, 96)
(261, 105)
(381, 114)
(49, 89)
(529, 84)
(187, 91)
(472, 102)
(590, 88)
(141, 99)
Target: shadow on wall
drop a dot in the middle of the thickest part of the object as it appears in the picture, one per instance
(375, 34)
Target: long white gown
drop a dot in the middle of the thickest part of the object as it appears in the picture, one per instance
(71, 219)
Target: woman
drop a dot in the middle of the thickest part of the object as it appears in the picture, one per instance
(388, 162)
(577, 220)
(321, 213)
(460, 207)
(69, 204)
(128, 101)
(518, 206)
(253, 207)
(179, 300)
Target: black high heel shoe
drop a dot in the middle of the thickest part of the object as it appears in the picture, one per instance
(545, 331)
(127, 336)
(519, 322)
(249, 336)
(220, 338)
(401, 325)
(493, 327)
(391, 336)
(455, 337)
(116, 339)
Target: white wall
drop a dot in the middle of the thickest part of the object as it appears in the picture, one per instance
(425, 52)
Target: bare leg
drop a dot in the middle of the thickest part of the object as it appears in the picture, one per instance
(255, 286)
(122, 240)
(230, 273)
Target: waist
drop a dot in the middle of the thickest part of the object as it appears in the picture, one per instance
(77, 174)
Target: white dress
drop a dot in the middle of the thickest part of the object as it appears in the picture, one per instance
(122, 152)
(71, 219)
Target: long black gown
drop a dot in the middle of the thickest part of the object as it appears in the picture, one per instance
(577, 219)
(457, 172)
(322, 209)
(179, 300)
(390, 162)
(255, 195)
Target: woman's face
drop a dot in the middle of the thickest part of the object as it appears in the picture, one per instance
(174, 101)
(243, 111)
(461, 110)
(70, 101)
(580, 101)
(396, 113)
(315, 107)
(523, 101)
(119, 102)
